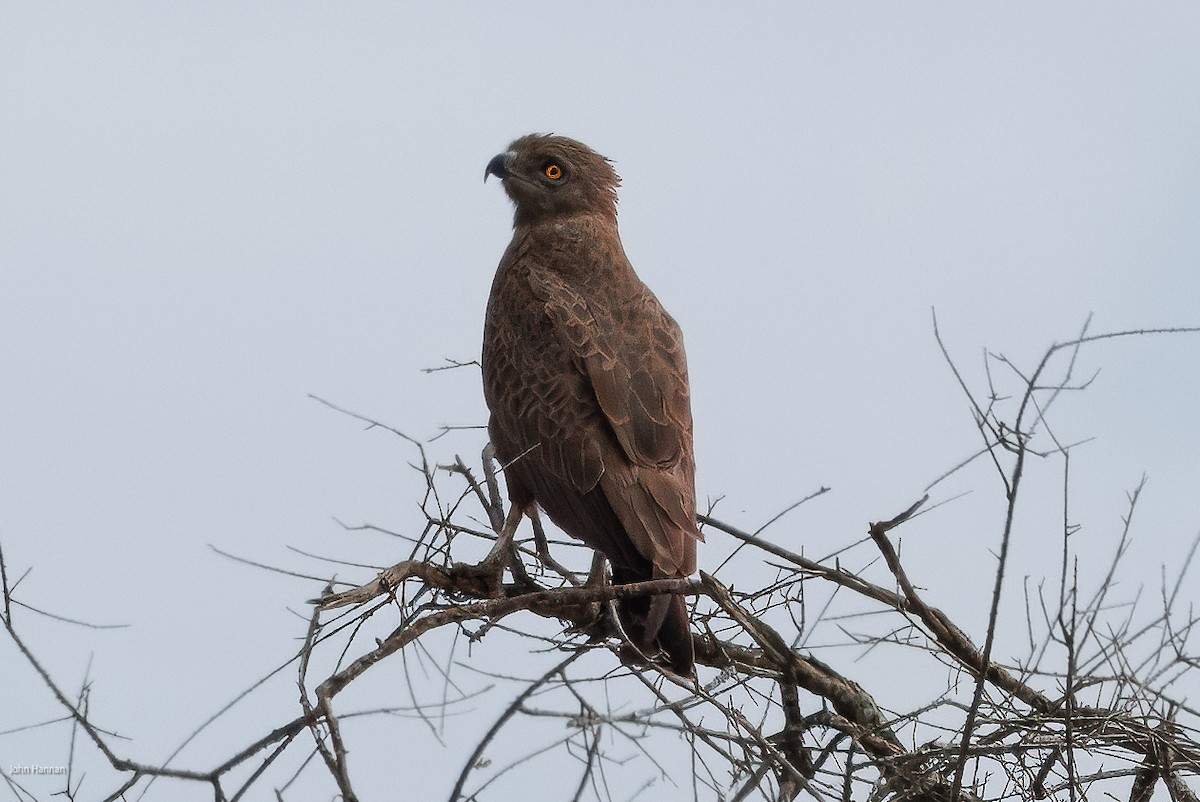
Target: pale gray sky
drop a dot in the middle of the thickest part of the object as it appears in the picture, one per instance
(209, 211)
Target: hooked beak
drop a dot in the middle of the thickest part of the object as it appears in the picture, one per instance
(498, 166)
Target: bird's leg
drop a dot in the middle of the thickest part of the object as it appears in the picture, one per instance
(598, 576)
(543, 549)
(495, 504)
(539, 537)
(502, 555)
(503, 547)
(515, 563)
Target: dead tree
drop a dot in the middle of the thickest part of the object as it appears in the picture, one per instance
(1097, 705)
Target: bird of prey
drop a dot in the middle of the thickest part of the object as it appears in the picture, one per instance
(585, 377)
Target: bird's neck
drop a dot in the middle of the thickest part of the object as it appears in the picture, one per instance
(571, 227)
(586, 247)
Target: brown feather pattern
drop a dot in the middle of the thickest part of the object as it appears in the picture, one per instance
(586, 379)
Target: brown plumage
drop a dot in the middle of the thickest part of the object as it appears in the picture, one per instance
(585, 377)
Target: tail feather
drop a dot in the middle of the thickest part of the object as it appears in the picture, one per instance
(675, 637)
(656, 623)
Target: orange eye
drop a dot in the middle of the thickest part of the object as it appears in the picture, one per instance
(553, 172)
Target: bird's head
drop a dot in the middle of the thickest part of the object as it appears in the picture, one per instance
(548, 176)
